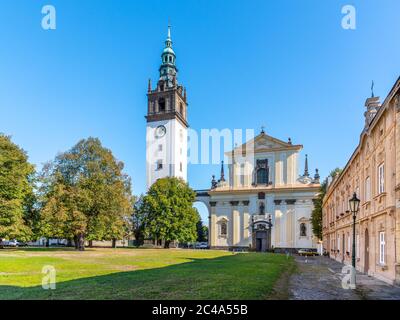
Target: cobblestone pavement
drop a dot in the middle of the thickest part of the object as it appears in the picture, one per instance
(320, 278)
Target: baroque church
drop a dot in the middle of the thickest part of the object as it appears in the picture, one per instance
(262, 204)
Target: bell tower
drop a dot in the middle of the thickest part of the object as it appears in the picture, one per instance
(166, 131)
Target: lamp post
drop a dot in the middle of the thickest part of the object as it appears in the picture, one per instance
(354, 205)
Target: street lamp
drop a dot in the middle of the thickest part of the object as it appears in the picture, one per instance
(354, 205)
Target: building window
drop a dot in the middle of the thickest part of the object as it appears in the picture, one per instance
(180, 166)
(242, 173)
(159, 164)
(367, 189)
(160, 147)
(348, 243)
(382, 247)
(303, 230)
(338, 243)
(381, 178)
(181, 108)
(161, 104)
(262, 208)
(223, 231)
(262, 176)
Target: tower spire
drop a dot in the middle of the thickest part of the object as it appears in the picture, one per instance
(222, 178)
(169, 30)
(372, 89)
(168, 70)
(306, 174)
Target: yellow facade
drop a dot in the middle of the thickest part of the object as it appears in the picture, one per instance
(373, 172)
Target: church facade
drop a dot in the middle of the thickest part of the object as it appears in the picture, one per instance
(263, 204)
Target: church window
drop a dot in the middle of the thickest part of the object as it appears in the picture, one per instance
(181, 108)
(170, 59)
(262, 208)
(161, 105)
(303, 230)
(262, 176)
(223, 229)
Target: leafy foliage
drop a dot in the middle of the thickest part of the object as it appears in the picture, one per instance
(316, 215)
(85, 195)
(16, 191)
(139, 219)
(202, 230)
(169, 212)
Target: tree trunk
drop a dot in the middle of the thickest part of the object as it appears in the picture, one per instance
(166, 244)
(114, 243)
(90, 243)
(76, 242)
(81, 242)
(47, 242)
(69, 243)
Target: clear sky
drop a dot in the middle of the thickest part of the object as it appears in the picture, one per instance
(288, 65)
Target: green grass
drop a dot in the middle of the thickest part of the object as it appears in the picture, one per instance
(140, 274)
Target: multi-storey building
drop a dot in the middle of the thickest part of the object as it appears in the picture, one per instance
(373, 172)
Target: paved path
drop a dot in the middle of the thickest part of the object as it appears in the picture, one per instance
(320, 278)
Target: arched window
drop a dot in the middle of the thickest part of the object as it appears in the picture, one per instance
(262, 176)
(262, 208)
(303, 230)
(161, 105)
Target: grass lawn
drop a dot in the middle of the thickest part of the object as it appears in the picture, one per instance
(140, 274)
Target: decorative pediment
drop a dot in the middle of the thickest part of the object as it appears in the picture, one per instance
(303, 219)
(265, 143)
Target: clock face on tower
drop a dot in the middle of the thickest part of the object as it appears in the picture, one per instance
(160, 131)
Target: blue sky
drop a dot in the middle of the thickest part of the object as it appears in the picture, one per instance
(288, 65)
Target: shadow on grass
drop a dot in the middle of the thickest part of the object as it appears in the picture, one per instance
(239, 276)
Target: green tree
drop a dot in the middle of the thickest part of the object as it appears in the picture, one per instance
(316, 215)
(16, 191)
(170, 215)
(139, 219)
(85, 195)
(202, 230)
